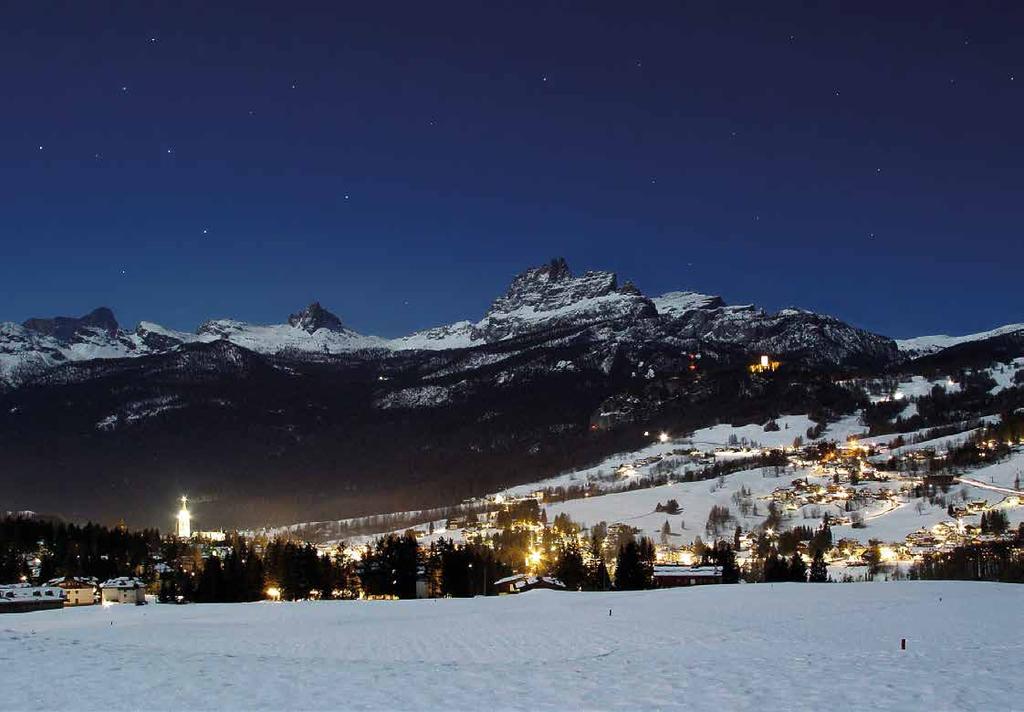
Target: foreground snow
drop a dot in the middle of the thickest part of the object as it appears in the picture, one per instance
(792, 646)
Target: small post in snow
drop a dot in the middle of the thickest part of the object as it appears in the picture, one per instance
(903, 643)
(609, 612)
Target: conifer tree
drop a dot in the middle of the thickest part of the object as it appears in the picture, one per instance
(819, 571)
(797, 568)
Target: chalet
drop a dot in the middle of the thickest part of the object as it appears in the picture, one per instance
(520, 583)
(79, 591)
(24, 598)
(123, 589)
(674, 576)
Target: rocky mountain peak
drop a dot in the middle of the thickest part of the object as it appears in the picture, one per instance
(65, 328)
(553, 286)
(315, 317)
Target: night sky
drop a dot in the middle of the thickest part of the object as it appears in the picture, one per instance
(400, 162)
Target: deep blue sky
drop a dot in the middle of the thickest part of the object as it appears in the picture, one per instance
(400, 162)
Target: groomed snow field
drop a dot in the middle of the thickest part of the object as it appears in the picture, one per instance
(741, 647)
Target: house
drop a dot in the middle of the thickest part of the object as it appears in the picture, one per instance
(520, 583)
(674, 575)
(123, 589)
(79, 591)
(24, 598)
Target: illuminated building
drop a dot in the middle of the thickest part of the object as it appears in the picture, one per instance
(183, 528)
(765, 365)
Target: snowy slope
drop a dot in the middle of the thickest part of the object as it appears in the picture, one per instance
(754, 647)
(637, 508)
(924, 345)
(678, 303)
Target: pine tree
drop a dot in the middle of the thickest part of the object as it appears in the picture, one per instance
(634, 568)
(797, 568)
(600, 580)
(570, 568)
(819, 570)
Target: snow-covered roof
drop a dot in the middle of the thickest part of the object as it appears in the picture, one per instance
(691, 571)
(73, 582)
(122, 582)
(22, 591)
(521, 581)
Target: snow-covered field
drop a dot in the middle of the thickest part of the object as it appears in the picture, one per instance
(637, 508)
(752, 647)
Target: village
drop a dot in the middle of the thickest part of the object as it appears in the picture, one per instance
(851, 507)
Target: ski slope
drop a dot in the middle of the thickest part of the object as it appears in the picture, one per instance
(743, 647)
(637, 508)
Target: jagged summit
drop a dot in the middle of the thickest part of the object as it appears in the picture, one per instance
(550, 296)
(315, 317)
(64, 328)
(553, 286)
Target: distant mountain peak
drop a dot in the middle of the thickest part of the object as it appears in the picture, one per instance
(553, 286)
(315, 317)
(64, 328)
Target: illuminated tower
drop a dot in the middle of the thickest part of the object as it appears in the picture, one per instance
(184, 527)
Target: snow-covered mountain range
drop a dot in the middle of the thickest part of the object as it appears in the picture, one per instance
(308, 419)
(546, 300)
(927, 345)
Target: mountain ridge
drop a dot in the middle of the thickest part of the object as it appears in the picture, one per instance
(548, 297)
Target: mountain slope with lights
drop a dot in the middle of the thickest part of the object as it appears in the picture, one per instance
(309, 420)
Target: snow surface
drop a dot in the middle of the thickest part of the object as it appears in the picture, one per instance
(923, 345)
(745, 647)
(637, 507)
(678, 303)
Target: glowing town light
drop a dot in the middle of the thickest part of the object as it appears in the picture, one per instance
(663, 438)
(765, 362)
(184, 524)
(274, 593)
(887, 554)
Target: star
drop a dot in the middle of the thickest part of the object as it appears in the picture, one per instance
(124, 89)
(205, 231)
(543, 79)
(170, 150)
(40, 148)
(294, 85)
(346, 196)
